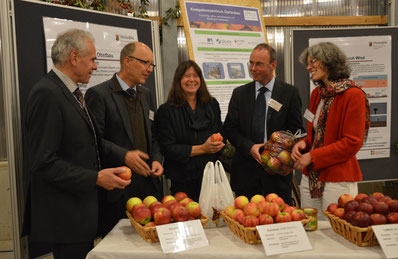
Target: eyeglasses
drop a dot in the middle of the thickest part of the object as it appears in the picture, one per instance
(146, 63)
(312, 62)
(259, 64)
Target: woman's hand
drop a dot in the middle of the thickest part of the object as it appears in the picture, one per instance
(212, 147)
(303, 162)
(296, 152)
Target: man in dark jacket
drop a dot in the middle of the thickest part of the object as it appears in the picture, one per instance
(248, 133)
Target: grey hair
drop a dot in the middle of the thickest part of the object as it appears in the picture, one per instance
(127, 50)
(331, 57)
(271, 50)
(66, 42)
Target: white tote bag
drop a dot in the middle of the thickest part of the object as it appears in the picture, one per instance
(215, 194)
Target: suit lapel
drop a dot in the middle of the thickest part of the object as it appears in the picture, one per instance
(249, 98)
(145, 111)
(276, 93)
(118, 97)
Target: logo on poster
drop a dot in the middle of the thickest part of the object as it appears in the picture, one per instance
(209, 40)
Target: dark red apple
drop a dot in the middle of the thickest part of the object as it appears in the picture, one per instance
(378, 219)
(180, 196)
(393, 205)
(384, 199)
(351, 206)
(365, 207)
(339, 212)
(361, 219)
(162, 216)
(348, 216)
(332, 207)
(377, 195)
(360, 196)
(369, 200)
(180, 213)
(380, 207)
(392, 217)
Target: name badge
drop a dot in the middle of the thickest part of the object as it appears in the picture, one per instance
(151, 115)
(274, 105)
(309, 116)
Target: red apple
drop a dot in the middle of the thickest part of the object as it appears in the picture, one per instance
(274, 164)
(280, 202)
(154, 206)
(361, 219)
(167, 198)
(283, 217)
(181, 213)
(277, 137)
(173, 205)
(369, 200)
(392, 217)
(271, 209)
(298, 215)
(348, 215)
(142, 214)
(162, 216)
(257, 198)
(377, 195)
(194, 209)
(351, 206)
(380, 207)
(266, 155)
(250, 221)
(261, 205)
(149, 200)
(132, 202)
(339, 212)
(180, 196)
(168, 203)
(230, 210)
(136, 207)
(238, 215)
(241, 202)
(378, 219)
(332, 207)
(285, 157)
(288, 143)
(343, 199)
(393, 205)
(360, 196)
(289, 209)
(365, 207)
(126, 175)
(251, 209)
(384, 198)
(270, 196)
(265, 219)
(185, 201)
(150, 224)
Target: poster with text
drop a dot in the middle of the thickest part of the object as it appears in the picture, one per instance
(370, 61)
(222, 37)
(109, 41)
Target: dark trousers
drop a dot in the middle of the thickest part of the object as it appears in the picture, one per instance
(73, 250)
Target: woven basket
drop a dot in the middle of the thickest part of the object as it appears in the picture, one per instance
(357, 235)
(249, 235)
(149, 234)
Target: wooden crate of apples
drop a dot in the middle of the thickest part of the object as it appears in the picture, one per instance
(245, 215)
(146, 214)
(353, 217)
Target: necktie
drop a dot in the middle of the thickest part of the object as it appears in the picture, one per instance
(258, 122)
(80, 98)
(131, 91)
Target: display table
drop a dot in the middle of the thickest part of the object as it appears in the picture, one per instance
(123, 242)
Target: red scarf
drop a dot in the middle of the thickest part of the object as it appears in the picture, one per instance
(327, 93)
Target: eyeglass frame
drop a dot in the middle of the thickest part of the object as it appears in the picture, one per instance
(145, 62)
(312, 61)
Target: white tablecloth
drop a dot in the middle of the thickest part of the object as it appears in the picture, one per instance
(123, 242)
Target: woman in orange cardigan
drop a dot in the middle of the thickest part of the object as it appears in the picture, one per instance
(341, 121)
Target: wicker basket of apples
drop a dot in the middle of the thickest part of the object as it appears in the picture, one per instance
(353, 218)
(245, 215)
(146, 214)
(276, 155)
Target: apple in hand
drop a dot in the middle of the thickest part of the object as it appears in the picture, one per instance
(162, 216)
(241, 202)
(126, 175)
(194, 209)
(365, 207)
(132, 202)
(392, 217)
(360, 196)
(251, 209)
(283, 217)
(339, 212)
(216, 137)
(332, 207)
(343, 199)
(257, 198)
(265, 219)
(378, 219)
(361, 219)
(180, 196)
(142, 214)
(181, 213)
(149, 200)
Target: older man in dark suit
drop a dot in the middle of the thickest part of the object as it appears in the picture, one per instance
(65, 152)
(124, 110)
(248, 130)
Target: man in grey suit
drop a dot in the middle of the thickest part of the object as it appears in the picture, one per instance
(65, 152)
(124, 110)
(283, 113)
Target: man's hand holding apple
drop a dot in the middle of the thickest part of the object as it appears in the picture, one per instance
(108, 179)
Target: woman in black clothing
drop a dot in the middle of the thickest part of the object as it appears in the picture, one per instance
(184, 125)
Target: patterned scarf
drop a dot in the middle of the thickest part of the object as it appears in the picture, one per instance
(327, 93)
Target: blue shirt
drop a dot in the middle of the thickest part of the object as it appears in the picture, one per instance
(124, 85)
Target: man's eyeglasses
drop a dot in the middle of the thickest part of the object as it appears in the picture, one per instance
(146, 63)
(258, 64)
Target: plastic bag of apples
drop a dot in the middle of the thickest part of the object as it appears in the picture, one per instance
(276, 155)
